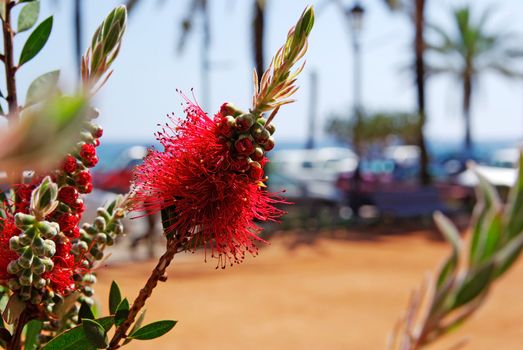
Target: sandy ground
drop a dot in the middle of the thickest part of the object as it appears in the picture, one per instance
(341, 291)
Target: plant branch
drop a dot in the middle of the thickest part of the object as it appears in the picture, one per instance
(158, 274)
(10, 68)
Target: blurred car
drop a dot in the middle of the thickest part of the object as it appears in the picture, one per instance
(310, 174)
(118, 177)
(500, 170)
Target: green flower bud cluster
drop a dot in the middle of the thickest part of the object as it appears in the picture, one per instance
(35, 248)
(95, 237)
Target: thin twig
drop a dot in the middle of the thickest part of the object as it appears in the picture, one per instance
(156, 275)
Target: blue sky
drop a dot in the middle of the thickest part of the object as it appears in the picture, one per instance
(142, 89)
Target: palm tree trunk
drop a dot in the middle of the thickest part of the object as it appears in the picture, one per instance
(78, 31)
(419, 45)
(467, 95)
(258, 26)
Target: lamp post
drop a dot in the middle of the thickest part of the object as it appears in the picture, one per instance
(355, 17)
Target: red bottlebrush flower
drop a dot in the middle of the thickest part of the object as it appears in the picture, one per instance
(78, 206)
(65, 266)
(69, 165)
(83, 178)
(68, 195)
(7, 230)
(215, 205)
(255, 171)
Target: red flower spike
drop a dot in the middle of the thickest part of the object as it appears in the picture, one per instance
(197, 176)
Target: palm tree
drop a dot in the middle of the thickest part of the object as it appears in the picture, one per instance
(471, 50)
(418, 15)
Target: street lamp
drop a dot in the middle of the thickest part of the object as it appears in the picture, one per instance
(355, 18)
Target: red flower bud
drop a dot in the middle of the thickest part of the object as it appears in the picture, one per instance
(258, 154)
(87, 188)
(244, 122)
(78, 206)
(269, 144)
(244, 146)
(87, 151)
(67, 221)
(255, 171)
(91, 161)
(83, 178)
(68, 195)
(69, 165)
(98, 131)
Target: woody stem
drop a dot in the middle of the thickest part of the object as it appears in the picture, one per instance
(157, 274)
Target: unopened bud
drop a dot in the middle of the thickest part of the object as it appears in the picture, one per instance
(26, 278)
(48, 229)
(101, 238)
(38, 267)
(258, 154)
(40, 283)
(38, 246)
(269, 145)
(13, 268)
(271, 128)
(43, 198)
(49, 248)
(99, 223)
(244, 122)
(26, 259)
(260, 134)
(24, 221)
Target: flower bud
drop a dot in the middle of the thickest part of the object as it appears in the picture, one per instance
(38, 267)
(244, 146)
(39, 283)
(271, 128)
(96, 253)
(255, 171)
(260, 134)
(229, 109)
(26, 259)
(48, 263)
(38, 246)
(79, 248)
(269, 145)
(13, 284)
(14, 243)
(103, 213)
(43, 198)
(25, 292)
(26, 278)
(118, 230)
(244, 122)
(13, 268)
(258, 154)
(48, 229)
(24, 221)
(99, 223)
(49, 248)
(101, 238)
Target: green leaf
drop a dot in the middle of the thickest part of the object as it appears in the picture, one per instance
(122, 311)
(451, 234)
(153, 330)
(75, 339)
(28, 16)
(474, 285)
(508, 255)
(42, 87)
(95, 333)
(115, 297)
(513, 217)
(36, 40)
(136, 326)
(85, 312)
(32, 332)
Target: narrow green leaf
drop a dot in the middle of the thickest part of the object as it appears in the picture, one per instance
(513, 218)
(448, 229)
(95, 333)
(153, 330)
(28, 16)
(474, 285)
(115, 297)
(447, 271)
(85, 312)
(36, 40)
(42, 87)
(122, 311)
(75, 339)
(32, 332)
(508, 255)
